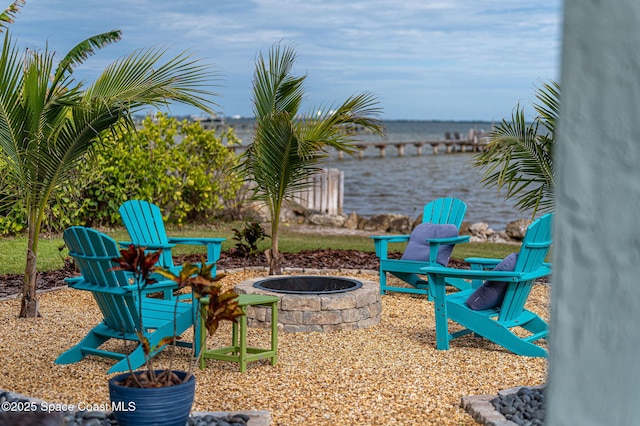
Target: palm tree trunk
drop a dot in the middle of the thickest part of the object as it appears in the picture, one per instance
(29, 305)
(274, 258)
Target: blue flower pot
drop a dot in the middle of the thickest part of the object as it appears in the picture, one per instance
(166, 406)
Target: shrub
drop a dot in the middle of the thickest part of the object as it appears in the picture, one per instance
(247, 239)
(183, 168)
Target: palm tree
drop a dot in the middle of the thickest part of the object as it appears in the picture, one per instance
(289, 146)
(49, 121)
(519, 156)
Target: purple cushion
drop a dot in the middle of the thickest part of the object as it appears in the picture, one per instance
(418, 247)
(491, 293)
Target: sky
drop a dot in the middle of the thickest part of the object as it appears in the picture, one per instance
(422, 59)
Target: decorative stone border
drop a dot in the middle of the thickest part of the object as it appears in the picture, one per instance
(327, 312)
(256, 417)
(480, 408)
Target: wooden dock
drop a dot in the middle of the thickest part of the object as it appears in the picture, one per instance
(475, 142)
(446, 146)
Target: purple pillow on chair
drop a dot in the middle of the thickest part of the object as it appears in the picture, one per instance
(418, 247)
(491, 293)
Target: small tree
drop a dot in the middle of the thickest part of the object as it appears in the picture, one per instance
(519, 156)
(288, 146)
(49, 121)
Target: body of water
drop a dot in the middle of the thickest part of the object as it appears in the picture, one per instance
(403, 185)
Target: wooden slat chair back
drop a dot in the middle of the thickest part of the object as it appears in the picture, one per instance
(496, 324)
(119, 303)
(439, 211)
(145, 225)
(445, 211)
(92, 254)
(533, 252)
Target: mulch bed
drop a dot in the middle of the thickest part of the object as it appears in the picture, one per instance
(11, 284)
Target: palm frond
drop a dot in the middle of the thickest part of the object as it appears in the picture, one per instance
(549, 106)
(274, 88)
(519, 156)
(11, 109)
(332, 127)
(86, 48)
(141, 79)
(7, 17)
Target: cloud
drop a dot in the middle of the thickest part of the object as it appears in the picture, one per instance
(411, 53)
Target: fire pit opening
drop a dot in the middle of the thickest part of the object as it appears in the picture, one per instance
(308, 284)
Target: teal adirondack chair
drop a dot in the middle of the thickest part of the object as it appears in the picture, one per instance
(496, 324)
(118, 301)
(145, 225)
(439, 211)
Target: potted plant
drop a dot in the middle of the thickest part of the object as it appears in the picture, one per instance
(157, 396)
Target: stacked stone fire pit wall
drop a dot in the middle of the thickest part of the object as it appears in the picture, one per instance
(349, 310)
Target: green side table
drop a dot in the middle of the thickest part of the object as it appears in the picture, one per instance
(239, 351)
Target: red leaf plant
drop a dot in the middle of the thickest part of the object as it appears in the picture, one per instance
(221, 306)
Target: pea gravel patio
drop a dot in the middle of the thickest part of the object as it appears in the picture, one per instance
(386, 374)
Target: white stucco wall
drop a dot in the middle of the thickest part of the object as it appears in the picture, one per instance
(594, 374)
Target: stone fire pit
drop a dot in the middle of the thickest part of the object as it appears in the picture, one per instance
(349, 308)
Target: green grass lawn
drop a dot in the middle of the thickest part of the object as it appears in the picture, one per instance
(51, 251)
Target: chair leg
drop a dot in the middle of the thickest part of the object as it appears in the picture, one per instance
(383, 282)
(440, 306)
(274, 332)
(505, 338)
(536, 326)
(137, 358)
(93, 340)
(243, 342)
(202, 342)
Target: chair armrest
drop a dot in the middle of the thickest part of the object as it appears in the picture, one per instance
(450, 240)
(72, 280)
(509, 276)
(153, 288)
(214, 245)
(195, 240)
(148, 246)
(381, 243)
(435, 243)
(81, 284)
(482, 262)
(391, 238)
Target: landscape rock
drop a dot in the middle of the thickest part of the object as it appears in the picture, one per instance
(382, 222)
(400, 225)
(332, 220)
(499, 237)
(464, 228)
(362, 222)
(481, 232)
(378, 222)
(517, 228)
(479, 229)
(352, 221)
(417, 222)
(476, 239)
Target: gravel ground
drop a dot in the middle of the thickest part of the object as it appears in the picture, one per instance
(387, 374)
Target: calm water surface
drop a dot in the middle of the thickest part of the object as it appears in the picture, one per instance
(402, 185)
